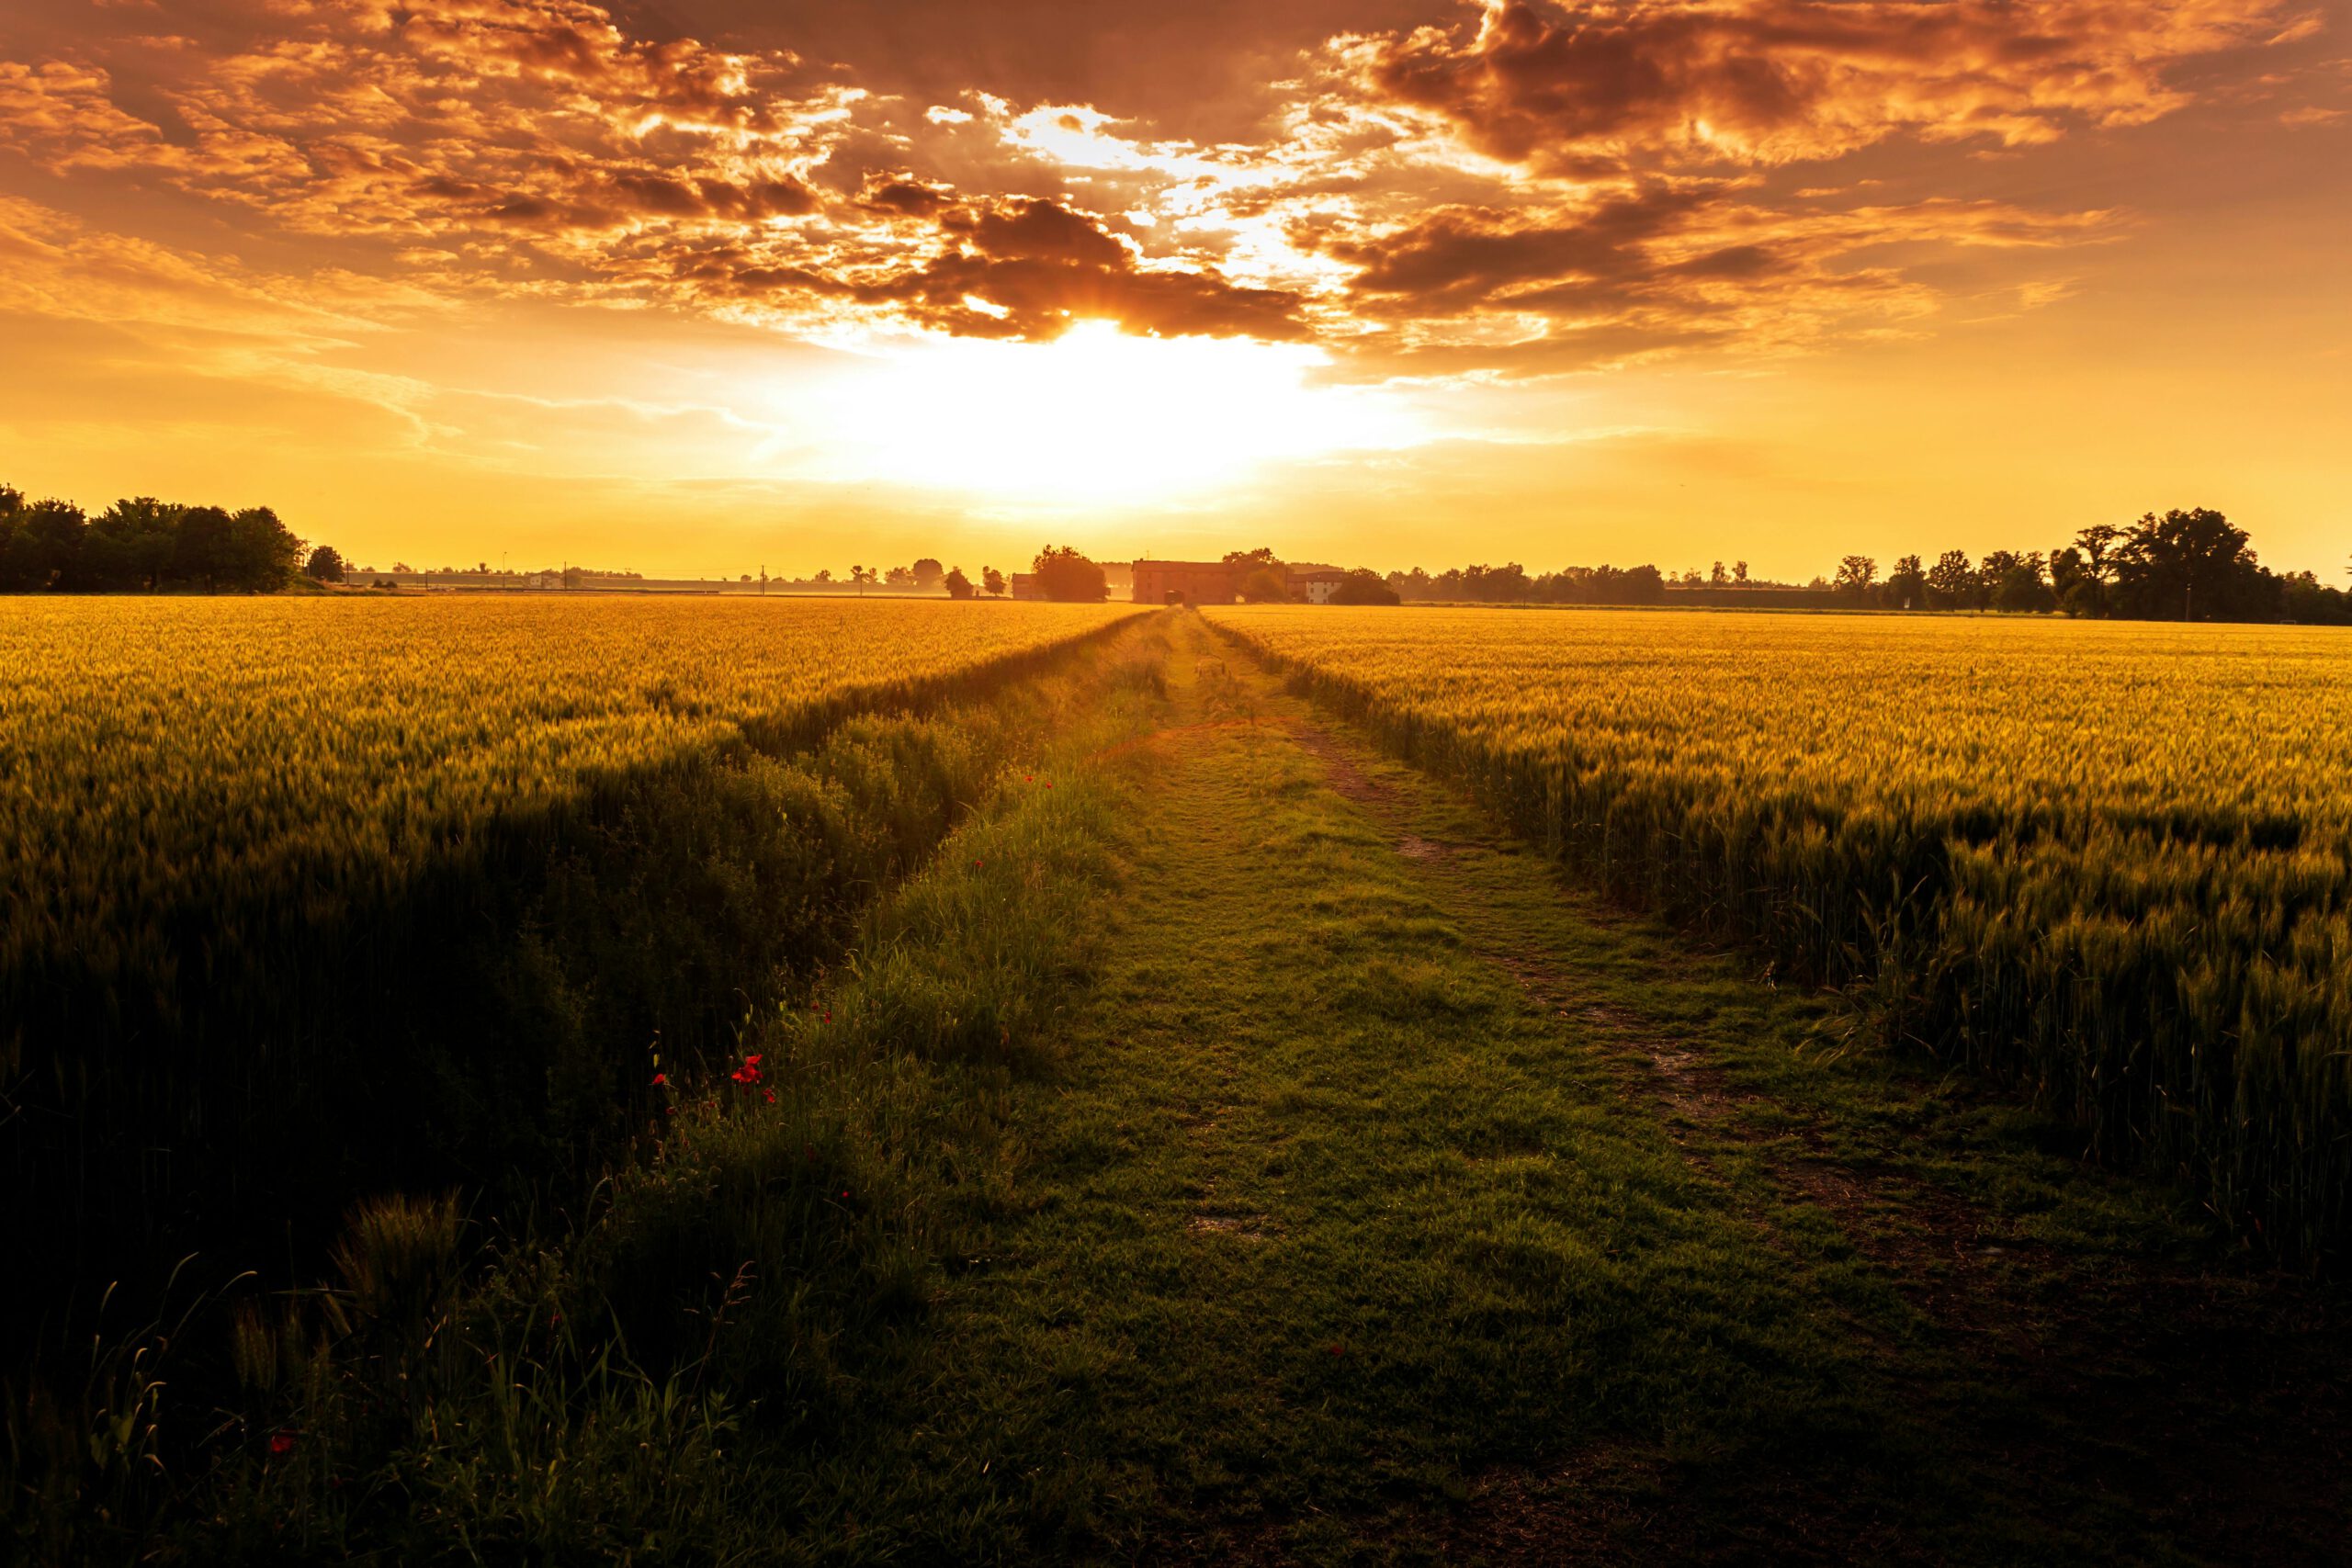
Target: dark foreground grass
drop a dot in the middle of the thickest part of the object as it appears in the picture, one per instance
(590, 1377)
(1230, 1147)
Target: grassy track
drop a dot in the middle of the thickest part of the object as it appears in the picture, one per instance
(1391, 1201)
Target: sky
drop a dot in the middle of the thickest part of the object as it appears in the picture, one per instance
(704, 286)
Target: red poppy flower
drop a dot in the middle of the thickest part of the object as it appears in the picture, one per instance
(660, 1081)
(281, 1443)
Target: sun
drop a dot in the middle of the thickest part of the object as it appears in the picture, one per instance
(1097, 414)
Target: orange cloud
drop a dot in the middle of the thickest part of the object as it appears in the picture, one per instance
(545, 148)
(1597, 86)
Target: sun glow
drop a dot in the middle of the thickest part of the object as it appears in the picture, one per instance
(1097, 414)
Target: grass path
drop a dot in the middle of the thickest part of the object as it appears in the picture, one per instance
(1393, 1202)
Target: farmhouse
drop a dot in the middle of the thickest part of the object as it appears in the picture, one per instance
(1315, 584)
(1189, 582)
(1025, 586)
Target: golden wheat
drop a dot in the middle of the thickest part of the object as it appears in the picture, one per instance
(158, 750)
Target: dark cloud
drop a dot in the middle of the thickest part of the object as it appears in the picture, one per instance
(1587, 87)
(1007, 171)
(1458, 258)
(903, 195)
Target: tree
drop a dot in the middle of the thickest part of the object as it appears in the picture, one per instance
(860, 575)
(1951, 582)
(131, 543)
(1634, 585)
(2018, 584)
(1262, 555)
(262, 552)
(2098, 544)
(928, 575)
(900, 576)
(1264, 586)
(1717, 577)
(958, 585)
(1064, 575)
(2078, 592)
(202, 551)
(992, 580)
(1739, 572)
(326, 565)
(1855, 576)
(1506, 584)
(2307, 601)
(1363, 586)
(41, 544)
(50, 546)
(12, 511)
(1906, 585)
(2192, 565)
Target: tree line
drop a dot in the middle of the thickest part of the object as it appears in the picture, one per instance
(2183, 565)
(146, 544)
(1512, 584)
(924, 576)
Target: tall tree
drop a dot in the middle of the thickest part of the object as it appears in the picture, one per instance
(133, 541)
(2098, 544)
(1363, 586)
(958, 585)
(202, 552)
(1906, 585)
(2193, 565)
(929, 574)
(50, 544)
(2016, 581)
(1951, 582)
(262, 551)
(1855, 576)
(1065, 575)
(1265, 585)
(993, 581)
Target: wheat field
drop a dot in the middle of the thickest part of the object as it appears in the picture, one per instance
(266, 862)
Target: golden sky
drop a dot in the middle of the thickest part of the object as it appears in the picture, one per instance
(699, 286)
